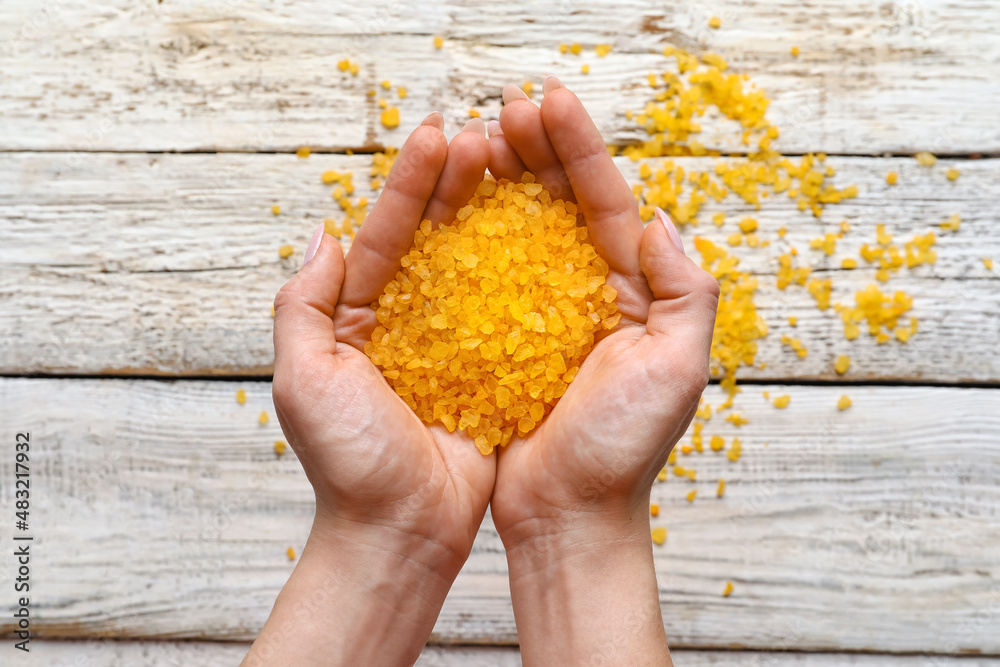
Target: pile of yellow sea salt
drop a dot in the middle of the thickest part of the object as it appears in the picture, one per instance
(491, 316)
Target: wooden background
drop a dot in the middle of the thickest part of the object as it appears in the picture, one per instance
(142, 145)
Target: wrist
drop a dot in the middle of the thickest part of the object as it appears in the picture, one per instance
(584, 590)
(398, 543)
(360, 594)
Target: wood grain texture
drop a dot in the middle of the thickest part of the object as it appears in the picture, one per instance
(118, 653)
(124, 653)
(160, 511)
(239, 76)
(167, 264)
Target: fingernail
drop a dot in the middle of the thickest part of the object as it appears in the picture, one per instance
(314, 243)
(493, 128)
(550, 84)
(434, 119)
(512, 92)
(475, 125)
(671, 229)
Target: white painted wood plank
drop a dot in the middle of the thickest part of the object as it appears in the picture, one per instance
(118, 653)
(160, 511)
(242, 76)
(167, 264)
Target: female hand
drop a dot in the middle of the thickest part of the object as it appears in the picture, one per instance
(571, 501)
(398, 503)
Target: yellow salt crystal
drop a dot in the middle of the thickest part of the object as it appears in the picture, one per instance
(952, 224)
(736, 419)
(241, 396)
(474, 113)
(438, 41)
(722, 488)
(276, 210)
(781, 402)
(290, 552)
(795, 52)
(691, 496)
(717, 443)
(735, 450)
(925, 159)
(662, 475)
(585, 69)
(262, 418)
(848, 263)
(988, 263)
(844, 402)
(279, 447)
(892, 178)
(303, 152)
(842, 364)
(728, 590)
(354, 69)
(715, 23)
(390, 118)
(952, 174)
(692, 474)
(654, 509)
(528, 87)
(285, 251)
(679, 471)
(493, 313)
(602, 50)
(659, 535)
(401, 92)
(575, 49)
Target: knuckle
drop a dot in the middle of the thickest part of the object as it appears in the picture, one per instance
(707, 283)
(287, 296)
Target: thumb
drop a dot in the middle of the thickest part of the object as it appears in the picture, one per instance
(685, 295)
(303, 308)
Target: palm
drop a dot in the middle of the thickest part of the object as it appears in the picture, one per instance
(401, 461)
(637, 391)
(368, 457)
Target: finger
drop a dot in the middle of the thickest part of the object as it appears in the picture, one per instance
(521, 122)
(463, 171)
(504, 161)
(604, 196)
(303, 308)
(686, 296)
(387, 233)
